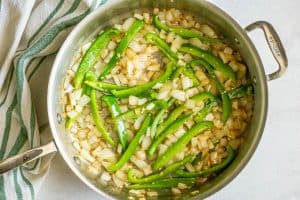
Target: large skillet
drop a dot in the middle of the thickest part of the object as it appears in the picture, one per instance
(111, 13)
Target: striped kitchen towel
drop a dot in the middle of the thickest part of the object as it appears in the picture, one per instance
(31, 32)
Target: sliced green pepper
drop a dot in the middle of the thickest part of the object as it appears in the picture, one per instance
(142, 109)
(241, 91)
(171, 118)
(131, 147)
(209, 58)
(92, 55)
(89, 76)
(227, 107)
(197, 158)
(179, 70)
(158, 118)
(205, 111)
(115, 110)
(162, 45)
(103, 86)
(169, 130)
(189, 72)
(161, 184)
(183, 32)
(181, 143)
(153, 177)
(97, 118)
(71, 120)
(205, 96)
(130, 34)
(211, 170)
(213, 101)
(145, 87)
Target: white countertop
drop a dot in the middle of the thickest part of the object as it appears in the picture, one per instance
(274, 170)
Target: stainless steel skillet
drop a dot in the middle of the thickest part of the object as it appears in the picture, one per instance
(117, 9)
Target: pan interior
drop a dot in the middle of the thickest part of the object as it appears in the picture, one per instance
(117, 10)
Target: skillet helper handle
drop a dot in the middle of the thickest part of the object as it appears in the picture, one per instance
(275, 46)
(25, 157)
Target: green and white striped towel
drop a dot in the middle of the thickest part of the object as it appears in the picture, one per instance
(31, 32)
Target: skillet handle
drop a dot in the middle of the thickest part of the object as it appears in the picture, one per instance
(25, 157)
(275, 46)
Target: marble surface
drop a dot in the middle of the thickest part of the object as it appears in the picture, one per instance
(273, 172)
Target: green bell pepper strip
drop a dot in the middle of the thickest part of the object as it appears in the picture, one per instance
(85, 89)
(89, 76)
(130, 114)
(215, 168)
(169, 130)
(171, 118)
(159, 175)
(125, 41)
(144, 87)
(162, 45)
(158, 118)
(162, 184)
(197, 158)
(152, 94)
(71, 120)
(204, 96)
(209, 58)
(183, 32)
(205, 111)
(115, 110)
(103, 86)
(92, 55)
(131, 147)
(241, 91)
(134, 113)
(97, 118)
(179, 70)
(95, 111)
(181, 143)
(157, 104)
(189, 72)
(213, 101)
(227, 107)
